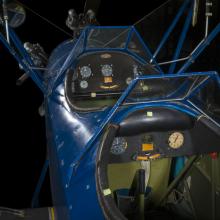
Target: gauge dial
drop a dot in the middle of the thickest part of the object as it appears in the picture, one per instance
(107, 70)
(128, 80)
(176, 140)
(119, 146)
(85, 71)
(84, 84)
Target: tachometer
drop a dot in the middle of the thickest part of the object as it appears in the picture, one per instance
(84, 84)
(107, 70)
(119, 146)
(128, 80)
(176, 140)
(85, 71)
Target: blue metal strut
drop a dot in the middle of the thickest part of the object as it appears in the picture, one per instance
(34, 202)
(200, 49)
(181, 39)
(170, 29)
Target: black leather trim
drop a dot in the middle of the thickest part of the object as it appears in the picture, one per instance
(210, 125)
(162, 119)
(107, 203)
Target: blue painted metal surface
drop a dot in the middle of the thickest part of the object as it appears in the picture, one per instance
(77, 134)
(113, 110)
(72, 134)
(76, 137)
(73, 137)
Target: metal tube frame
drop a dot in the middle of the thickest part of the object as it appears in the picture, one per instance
(26, 62)
(120, 101)
(34, 201)
(200, 49)
(23, 63)
(5, 18)
(170, 29)
(182, 38)
(193, 56)
(35, 75)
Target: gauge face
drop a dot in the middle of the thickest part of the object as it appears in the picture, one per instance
(107, 70)
(85, 71)
(128, 80)
(176, 140)
(84, 84)
(119, 146)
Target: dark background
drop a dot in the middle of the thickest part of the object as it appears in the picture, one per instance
(22, 134)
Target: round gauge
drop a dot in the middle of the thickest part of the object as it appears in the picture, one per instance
(176, 140)
(84, 84)
(128, 80)
(107, 70)
(85, 71)
(119, 146)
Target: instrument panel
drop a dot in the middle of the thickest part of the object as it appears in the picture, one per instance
(150, 146)
(154, 145)
(103, 75)
(163, 133)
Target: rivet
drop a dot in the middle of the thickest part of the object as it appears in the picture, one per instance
(60, 145)
(62, 162)
(72, 164)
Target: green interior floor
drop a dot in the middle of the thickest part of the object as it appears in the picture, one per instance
(121, 176)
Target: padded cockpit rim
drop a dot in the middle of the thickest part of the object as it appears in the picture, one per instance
(107, 203)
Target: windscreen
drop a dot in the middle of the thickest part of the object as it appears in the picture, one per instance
(169, 88)
(207, 99)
